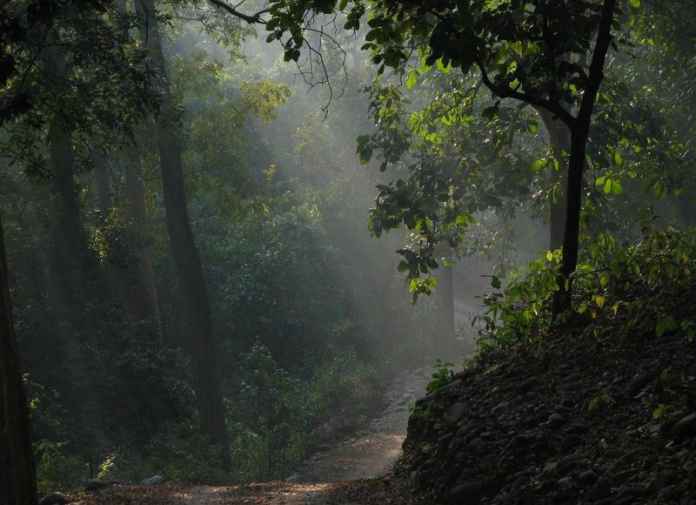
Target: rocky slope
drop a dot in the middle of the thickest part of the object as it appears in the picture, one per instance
(595, 416)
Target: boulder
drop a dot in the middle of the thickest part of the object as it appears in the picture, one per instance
(152, 481)
(53, 499)
(96, 485)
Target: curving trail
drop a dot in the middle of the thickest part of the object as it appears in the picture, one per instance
(336, 476)
(364, 456)
(371, 453)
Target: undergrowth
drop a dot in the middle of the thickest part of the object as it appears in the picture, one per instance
(634, 286)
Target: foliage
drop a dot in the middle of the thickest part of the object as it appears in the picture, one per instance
(442, 375)
(276, 415)
(633, 285)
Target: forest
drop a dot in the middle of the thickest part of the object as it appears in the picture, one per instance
(343, 252)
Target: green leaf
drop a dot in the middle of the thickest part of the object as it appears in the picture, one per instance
(659, 411)
(634, 4)
(463, 220)
(412, 79)
(539, 165)
(607, 186)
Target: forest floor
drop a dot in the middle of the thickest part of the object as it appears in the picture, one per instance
(354, 471)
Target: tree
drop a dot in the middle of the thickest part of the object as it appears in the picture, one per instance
(549, 55)
(17, 478)
(192, 285)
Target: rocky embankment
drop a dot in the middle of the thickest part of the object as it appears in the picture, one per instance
(592, 417)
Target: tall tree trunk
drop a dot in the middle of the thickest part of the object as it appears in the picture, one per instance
(75, 284)
(103, 187)
(70, 251)
(142, 298)
(140, 290)
(578, 150)
(192, 284)
(17, 477)
(560, 142)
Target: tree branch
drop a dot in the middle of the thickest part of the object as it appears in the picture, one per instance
(506, 92)
(249, 18)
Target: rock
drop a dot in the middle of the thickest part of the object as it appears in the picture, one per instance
(569, 463)
(667, 493)
(587, 478)
(639, 382)
(556, 420)
(550, 467)
(577, 428)
(53, 499)
(522, 440)
(630, 493)
(455, 413)
(470, 492)
(500, 407)
(96, 485)
(685, 427)
(565, 483)
(152, 481)
(601, 489)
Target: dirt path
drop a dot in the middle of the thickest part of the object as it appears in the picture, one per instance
(365, 455)
(373, 452)
(331, 477)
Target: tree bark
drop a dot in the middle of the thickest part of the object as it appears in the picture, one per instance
(103, 187)
(17, 476)
(580, 133)
(70, 252)
(192, 285)
(560, 141)
(143, 301)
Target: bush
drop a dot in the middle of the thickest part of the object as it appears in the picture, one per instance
(57, 467)
(273, 416)
(637, 284)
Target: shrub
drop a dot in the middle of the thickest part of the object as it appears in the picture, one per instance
(638, 284)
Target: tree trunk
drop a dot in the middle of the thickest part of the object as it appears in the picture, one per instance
(17, 477)
(103, 187)
(560, 142)
(580, 134)
(142, 297)
(192, 284)
(70, 252)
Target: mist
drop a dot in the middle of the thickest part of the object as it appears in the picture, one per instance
(279, 242)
